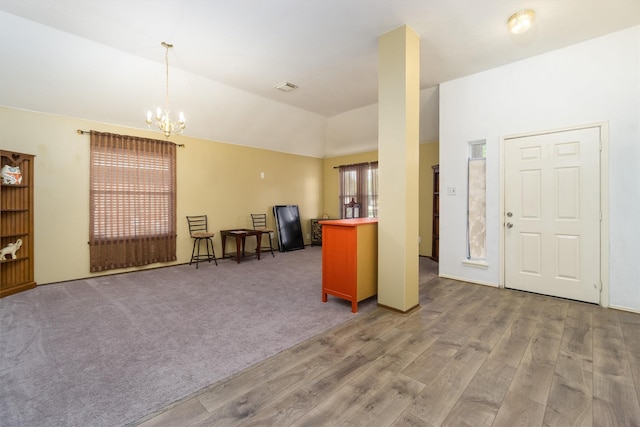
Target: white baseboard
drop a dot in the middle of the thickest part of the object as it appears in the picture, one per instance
(493, 285)
(619, 307)
(475, 282)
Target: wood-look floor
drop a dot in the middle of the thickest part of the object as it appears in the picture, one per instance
(471, 355)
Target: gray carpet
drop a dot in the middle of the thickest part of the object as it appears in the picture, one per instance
(107, 351)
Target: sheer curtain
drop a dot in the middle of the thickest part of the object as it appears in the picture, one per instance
(477, 210)
(132, 201)
(476, 200)
(360, 183)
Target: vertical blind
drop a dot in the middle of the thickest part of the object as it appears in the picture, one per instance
(132, 201)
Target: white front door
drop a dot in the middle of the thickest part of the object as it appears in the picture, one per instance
(552, 214)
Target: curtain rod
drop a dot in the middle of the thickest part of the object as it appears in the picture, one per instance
(84, 132)
(356, 164)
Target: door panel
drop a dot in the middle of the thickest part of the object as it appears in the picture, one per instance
(552, 214)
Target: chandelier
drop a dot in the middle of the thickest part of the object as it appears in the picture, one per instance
(163, 120)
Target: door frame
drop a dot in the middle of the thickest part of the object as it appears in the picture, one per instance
(604, 201)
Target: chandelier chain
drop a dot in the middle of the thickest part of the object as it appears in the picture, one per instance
(166, 63)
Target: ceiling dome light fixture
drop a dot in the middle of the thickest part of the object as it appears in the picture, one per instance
(163, 121)
(521, 21)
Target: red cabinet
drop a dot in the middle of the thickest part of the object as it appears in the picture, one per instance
(350, 259)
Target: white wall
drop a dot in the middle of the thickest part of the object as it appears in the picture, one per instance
(591, 82)
(356, 131)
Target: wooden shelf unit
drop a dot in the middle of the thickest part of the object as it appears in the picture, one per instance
(316, 232)
(16, 222)
(435, 232)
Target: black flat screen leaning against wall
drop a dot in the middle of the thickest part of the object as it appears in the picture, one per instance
(289, 228)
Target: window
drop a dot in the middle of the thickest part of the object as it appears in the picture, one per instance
(360, 183)
(132, 201)
(476, 201)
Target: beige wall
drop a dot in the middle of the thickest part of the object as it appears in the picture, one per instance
(429, 153)
(220, 180)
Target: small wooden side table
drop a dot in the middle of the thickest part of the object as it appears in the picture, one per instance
(240, 234)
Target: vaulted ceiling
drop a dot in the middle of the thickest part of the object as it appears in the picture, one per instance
(102, 60)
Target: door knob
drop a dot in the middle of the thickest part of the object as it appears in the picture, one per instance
(509, 214)
(509, 225)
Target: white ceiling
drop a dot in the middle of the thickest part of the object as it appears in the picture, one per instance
(328, 48)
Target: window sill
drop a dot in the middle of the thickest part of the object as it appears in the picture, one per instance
(475, 263)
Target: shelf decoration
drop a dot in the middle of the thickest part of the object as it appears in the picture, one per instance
(352, 209)
(11, 175)
(10, 249)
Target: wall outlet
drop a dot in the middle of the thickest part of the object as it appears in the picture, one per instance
(451, 191)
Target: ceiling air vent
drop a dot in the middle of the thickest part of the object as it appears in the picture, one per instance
(286, 86)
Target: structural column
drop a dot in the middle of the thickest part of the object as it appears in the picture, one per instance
(398, 168)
